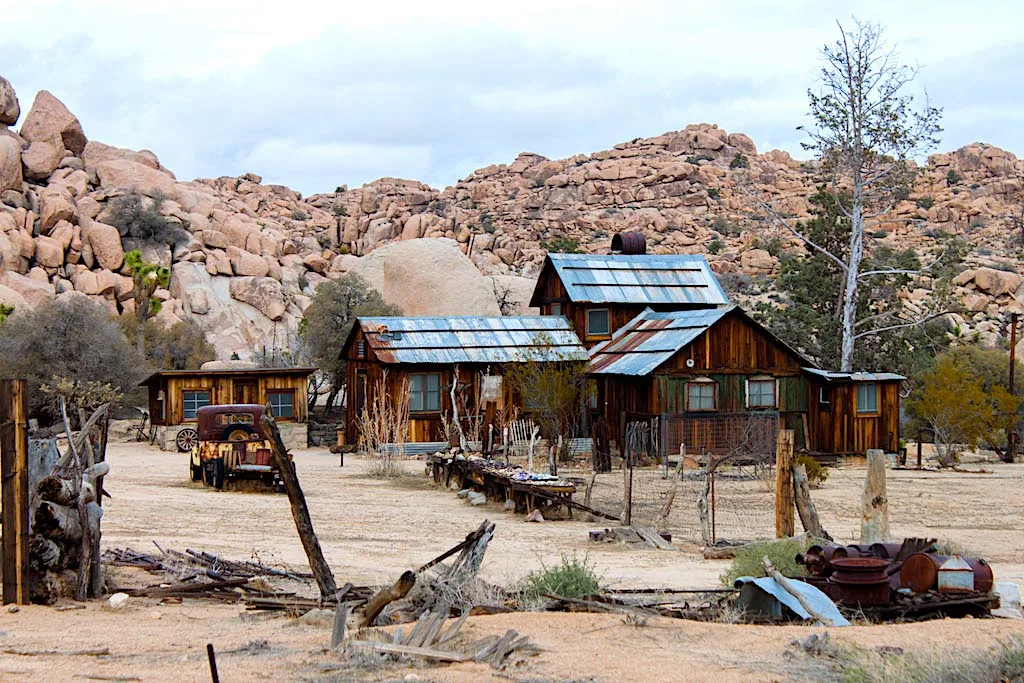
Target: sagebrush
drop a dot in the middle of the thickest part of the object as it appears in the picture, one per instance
(782, 553)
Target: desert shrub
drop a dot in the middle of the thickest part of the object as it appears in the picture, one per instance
(182, 346)
(714, 193)
(736, 282)
(572, 577)
(715, 246)
(817, 473)
(739, 161)
(953, 178)
(561, 245)
(136, 217)
(303, 280)
(901, 194)
(5, 310)
(300, 215)
(74, 339)
(925, 203)
(339, 210)
(782, 554)
(773, 245)
(880, 234)
(724, 226)
(487, 222)
(977, 223)
(1004, 662)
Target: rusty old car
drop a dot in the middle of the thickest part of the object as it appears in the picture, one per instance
(232, 446)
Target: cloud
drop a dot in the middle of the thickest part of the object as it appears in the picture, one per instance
(318, 96)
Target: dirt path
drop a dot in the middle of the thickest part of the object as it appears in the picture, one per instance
(371, 530)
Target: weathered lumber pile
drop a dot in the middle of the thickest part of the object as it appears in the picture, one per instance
(64, 549)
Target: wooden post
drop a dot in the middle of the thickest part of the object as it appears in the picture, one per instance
(919, 435)
(14, 469)
(785, 522)
(805, 506)
(303, 523)
(874, 526)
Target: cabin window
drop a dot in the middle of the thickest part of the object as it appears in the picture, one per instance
(193, 401)
(761, 393)
(556, 308)
(424, 392)
(823, 396)
(592, 394)
(282, 403)
(701, 395)
(598, 323)
(867, 398)
(360, 349)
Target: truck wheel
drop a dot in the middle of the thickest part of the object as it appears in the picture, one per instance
(218, 473)
(196, 471)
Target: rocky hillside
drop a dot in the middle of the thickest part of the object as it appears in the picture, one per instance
(255, 253)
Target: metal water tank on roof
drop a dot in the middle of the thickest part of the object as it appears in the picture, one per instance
(629, 243)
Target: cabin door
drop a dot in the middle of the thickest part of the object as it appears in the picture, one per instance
(245, 391)
(360, 392)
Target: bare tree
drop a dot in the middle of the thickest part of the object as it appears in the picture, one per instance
(866, 135)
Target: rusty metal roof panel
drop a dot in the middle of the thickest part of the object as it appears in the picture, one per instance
(650, 339)
(682, 279)
(508, 339)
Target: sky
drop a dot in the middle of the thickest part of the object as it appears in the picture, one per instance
(314, 95)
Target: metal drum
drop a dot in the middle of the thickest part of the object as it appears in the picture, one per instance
(920, 572)
(860, 580)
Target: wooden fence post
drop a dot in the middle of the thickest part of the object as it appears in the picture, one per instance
(785, 521)
(874, 525)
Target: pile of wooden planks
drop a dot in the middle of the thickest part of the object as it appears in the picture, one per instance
(633, 535)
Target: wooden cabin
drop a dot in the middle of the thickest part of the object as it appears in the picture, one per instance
(385, 353)
(717, 377)
(600, 293)
(176, 395)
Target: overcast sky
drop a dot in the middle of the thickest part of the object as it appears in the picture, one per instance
(315, 95)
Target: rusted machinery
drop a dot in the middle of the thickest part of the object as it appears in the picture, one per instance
(900, 578)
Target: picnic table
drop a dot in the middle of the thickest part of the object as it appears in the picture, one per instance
(499, 481)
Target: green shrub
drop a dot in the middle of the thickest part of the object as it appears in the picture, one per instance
(437, 207)
(538, 183)
(782, 554)
(300, 215)
(953, 178)
(561, 245)
(816, 472)
(773, 245)
(339, 210)
(303, 281)
(5, 310)
(722, 225)
(925, 203)
(977, 223)
(880, 234)
(487, 223)
(739, 161)
(136, 217)
(901, 194)
(715, 246)
(570, 578)
(714, 193)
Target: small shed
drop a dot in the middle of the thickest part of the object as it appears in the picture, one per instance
(599, 293)
(710, 375)
(175, 396)
(426, 351)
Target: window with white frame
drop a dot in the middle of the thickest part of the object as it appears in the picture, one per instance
(867, 397)
(761, 393)
(598, 323)
(424, 392)
(702, 395)
(193, 401)
(823, 396)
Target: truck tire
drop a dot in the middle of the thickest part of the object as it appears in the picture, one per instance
(218, 474)
(196, 471)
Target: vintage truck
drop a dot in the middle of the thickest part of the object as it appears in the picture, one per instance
(232, 446)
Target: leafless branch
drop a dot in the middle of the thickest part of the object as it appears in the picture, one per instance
(915, 323)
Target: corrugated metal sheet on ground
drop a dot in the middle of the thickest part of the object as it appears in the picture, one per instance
(639, 279)
(855, 376)
(650, 339)
(472, 340)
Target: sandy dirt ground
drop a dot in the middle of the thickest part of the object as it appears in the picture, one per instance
(371, 530)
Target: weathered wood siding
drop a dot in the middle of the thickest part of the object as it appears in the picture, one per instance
(838, 428)
(224, 389)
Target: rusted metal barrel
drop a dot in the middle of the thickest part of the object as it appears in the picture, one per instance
(886, 551)
(629, 243)
(860, 580)
(920, 572)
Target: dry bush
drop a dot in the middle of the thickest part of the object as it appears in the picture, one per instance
(384, 428)
(782, 553)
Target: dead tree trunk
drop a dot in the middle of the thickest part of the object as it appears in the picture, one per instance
(805, 506)
(300, 512)
(385, 597)
(874, 526)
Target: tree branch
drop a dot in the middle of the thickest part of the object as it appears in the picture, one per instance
(898, 271)
(782, 221)
(915, 323)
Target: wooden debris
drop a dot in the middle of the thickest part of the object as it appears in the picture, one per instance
(96, 652)
(408, 651)
(651, 537)
(338, 631)
(632, 535)
(805, 506)
(385, 597)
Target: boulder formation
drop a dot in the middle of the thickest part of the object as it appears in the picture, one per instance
(250, 256)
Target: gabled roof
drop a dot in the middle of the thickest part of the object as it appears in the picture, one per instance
(831, 376)
(508, 339)
(651, 338)
(682, 279)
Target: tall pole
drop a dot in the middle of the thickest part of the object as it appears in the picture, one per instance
(1011, 433)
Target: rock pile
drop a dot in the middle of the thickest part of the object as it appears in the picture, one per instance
(255, 253)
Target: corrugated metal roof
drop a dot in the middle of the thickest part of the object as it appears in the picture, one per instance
(639, 279)
(650, 339)
(855, 376)
(232, 372)
(472, 340)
